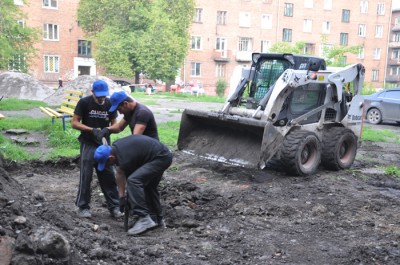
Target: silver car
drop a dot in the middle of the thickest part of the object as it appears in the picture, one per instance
(383, 106)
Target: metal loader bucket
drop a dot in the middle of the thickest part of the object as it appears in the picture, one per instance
(224, 138)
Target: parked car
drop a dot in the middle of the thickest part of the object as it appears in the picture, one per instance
(125, 85)
(383, 106)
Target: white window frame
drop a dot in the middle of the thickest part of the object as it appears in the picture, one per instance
(47, 62)
(51, 32)
(288, 10)
(394, 70)
(18, 2)
(245, 44)
(21, 23)
(326, 27)
(395, 54)
(361, 53)
(196, 43)
(307, 25)
(308, 4)
(265, 46)
(266, 21)
(380, 9)
(328, 4)
(222, 17)
(198, 15)
(244, 19)
(397, 20)
(363, 7)
(195, 69)
(52, 4)
(375, 75)
(377, 53)
(287, 30)
(362, 30)
(220, 70)
(378, 31)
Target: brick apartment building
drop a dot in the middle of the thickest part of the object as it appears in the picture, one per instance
(224, 35)
(393, 65)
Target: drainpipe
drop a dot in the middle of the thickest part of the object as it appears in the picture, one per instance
(387, 47)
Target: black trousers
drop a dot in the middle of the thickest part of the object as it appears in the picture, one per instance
(142, 186)
(107, 182)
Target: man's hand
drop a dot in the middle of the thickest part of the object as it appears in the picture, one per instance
(99, 134)
(122, 204)
(96, 132)
(105, 132)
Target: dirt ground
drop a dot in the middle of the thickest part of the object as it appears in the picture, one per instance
(215, 214)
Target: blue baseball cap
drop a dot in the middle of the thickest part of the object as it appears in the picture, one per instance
(116, 99)
(100, 88)
(101, 156)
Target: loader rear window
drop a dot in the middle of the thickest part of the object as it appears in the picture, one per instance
(266, 75)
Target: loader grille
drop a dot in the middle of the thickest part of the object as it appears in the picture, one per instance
(330, 114)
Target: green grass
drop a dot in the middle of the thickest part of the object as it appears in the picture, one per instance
(380, 135)
(393, 170)
(20, 104)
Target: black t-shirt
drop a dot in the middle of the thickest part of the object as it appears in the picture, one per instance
(136, 150)
(143, 115)
(93, 115)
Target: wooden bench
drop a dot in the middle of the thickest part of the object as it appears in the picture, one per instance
(2, 116)
(66, 110)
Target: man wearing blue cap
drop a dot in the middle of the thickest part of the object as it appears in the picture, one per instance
(90, 116)
(139, 117)
(141, 162)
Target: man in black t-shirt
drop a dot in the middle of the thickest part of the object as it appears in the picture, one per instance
(139, 117)
(90, 116)
(141, 162)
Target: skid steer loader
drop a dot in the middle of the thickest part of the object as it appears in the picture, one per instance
(289, 110)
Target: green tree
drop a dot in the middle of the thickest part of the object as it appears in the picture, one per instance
(221, 86)
(287, 47)
(142, 36)
(16, 40)
(335, 55)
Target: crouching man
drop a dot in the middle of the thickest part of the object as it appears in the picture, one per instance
(140, 163)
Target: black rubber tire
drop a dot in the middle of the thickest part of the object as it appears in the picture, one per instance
(374, 116)
(339, 148)
(301, 153)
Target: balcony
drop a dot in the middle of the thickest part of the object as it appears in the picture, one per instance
(395, 61)
(392, 78)
(243, 56)
(222, 55)
(394, 44)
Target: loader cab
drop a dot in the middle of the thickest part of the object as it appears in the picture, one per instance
(268, 67)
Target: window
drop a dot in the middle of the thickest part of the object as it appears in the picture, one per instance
(328, 4)
(220, 44)
(397, 21)
(244, 19)
(378, 31)
(324, 49)
(375, 75)
(21, 23)
(344, 39)
(265, 45)
(50, 32)
(364, 7)
(266, 21)
(362, 29)
(195, 69)
(308, 4)
(50, 3)
(287, 35)
(17, 63)
(84, 48)
(326, 27)
(198, 15)
(346, 15)
(51, 64)
(221, 17)
(343, 60)
(395, 70)
(396, 37)
(307, 25)
(220, 70)
(377, 53)
(245, 44)
(309, 48)
(288, 11)
(380, 10)
(395, 54)
(18, 2)
(360, 53)
(196, 43)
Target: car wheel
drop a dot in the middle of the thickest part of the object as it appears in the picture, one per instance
(374, 116)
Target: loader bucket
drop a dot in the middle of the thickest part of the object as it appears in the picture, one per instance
(230, 139)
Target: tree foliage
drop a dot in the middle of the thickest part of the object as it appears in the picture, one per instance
(16, 41)
(287, 47)
(142, 36)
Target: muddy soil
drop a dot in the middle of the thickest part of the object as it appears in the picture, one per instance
(215, 214)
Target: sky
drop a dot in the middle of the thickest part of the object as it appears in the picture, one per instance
(395, 4)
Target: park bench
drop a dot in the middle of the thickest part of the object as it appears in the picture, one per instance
(2, 116)
(66, 110)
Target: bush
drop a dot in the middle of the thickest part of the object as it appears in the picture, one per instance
(221, 86)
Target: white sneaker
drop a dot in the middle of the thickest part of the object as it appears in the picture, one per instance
(142, 225)
(84, 213)
(116, 213)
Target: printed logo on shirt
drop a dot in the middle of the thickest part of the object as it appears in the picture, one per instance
(98, 114)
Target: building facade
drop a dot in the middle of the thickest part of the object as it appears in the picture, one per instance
(393, 65)
(225, 34)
